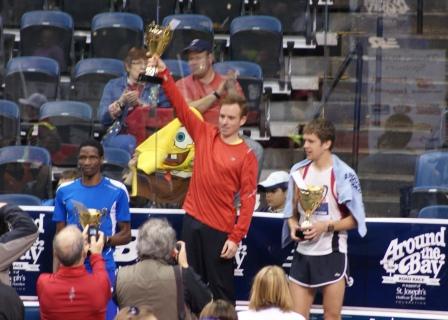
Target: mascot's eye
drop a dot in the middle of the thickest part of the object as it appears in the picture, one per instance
(182, 139)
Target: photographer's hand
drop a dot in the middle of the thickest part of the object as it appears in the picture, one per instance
(181, 254)
(97, 245)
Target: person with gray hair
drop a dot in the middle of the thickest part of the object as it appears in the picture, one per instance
(161, 278)
(72, 292)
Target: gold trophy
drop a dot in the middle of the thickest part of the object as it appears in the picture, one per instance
(310, 199)
(89, 217)
(157, 40)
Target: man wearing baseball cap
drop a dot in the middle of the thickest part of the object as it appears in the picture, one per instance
(275, 187)
(204, 88)
(30, 106)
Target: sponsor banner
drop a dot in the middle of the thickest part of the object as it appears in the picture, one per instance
(400, 264)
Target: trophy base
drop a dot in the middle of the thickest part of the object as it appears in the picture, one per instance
(151, 79)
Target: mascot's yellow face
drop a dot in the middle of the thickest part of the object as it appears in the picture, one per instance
(180, 154)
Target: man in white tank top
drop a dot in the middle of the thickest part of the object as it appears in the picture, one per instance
(320, 260)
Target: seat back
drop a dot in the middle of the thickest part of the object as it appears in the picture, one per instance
(89, 78)
(147, 9)
(20, 199)
(12, 11)
(114, 33)
(190, 27)
(115, 161)
(250, 78)
(47, 34)
(432, 170)
(25, 169)
(9, 123)
(63, 126)
(27, 75)
(179, 68)
(220, 12)
(291, 13)
(258, 39)
(82, 11)
(437, 212)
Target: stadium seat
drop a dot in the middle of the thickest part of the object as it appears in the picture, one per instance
(431, 180)
(20, 199)
(26, 75)
(12, 11)
(9, 123)
(82, 11)
(2, 52)
(25, 169)
(178, 68)
(191, 26)
(258, 39)
(220, 12)
(62, 127)
(147, 9)
(250, 78)
(115, 161)
(47, 34)
(114, 33)
(435, 212)
(89, 78)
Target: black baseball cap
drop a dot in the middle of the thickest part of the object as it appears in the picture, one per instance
(198, 45)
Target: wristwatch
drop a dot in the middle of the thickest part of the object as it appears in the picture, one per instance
(330, 227)
(217, 95)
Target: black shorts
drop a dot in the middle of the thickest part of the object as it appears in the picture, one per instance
(318, 271)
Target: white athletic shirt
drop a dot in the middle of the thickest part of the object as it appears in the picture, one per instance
(269, 313)
(327, 242)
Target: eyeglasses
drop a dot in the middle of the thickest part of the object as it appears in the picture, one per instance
(138, 63)
(134, 311)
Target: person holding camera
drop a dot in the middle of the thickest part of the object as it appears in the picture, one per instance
(162, 278)
(72, 292)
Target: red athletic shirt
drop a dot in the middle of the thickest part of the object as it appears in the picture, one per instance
(220, 171)
(72, 293)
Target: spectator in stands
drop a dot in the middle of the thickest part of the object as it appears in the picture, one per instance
(31, 106)
(204, 88)
(275, 187)
(154, 280)
(126, 100)
(136, 313)
(270, 297)
(95, 191)
(223, 166)
(218, 310)
(66, 176)
(17, 234)
(72, 292)
(320, 260)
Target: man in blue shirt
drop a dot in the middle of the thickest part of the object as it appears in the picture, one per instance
(96, 192)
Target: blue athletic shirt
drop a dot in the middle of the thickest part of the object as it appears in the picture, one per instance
(109, 194)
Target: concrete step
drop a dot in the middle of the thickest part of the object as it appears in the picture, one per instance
(382, 206)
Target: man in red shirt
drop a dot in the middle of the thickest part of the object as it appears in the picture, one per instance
(204, 88)
(223, 166)
(72, 292)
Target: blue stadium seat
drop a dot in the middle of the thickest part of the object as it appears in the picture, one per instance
(9, 123)
(12, 11)
(431, 180)
(47, 34)
(258, 39)
(82, 11)
(179, 68)
(191, 26)
(114, 33)
(89, 78)
(26, 75)
(115, 161)
(20, 199)
(147, 9)
(63, 126)
(435, 212)
(220, 12)
(250, 78)
(25, 169)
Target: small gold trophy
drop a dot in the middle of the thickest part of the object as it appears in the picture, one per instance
(157, 40)
(89, 217)
(310, 199)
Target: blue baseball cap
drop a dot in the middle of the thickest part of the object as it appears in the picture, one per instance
(198, 45)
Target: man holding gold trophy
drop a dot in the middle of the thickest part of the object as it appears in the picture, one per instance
(324, 200)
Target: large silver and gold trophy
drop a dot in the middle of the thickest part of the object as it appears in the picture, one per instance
(89, 217)
(310, 199)
(157, 40)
